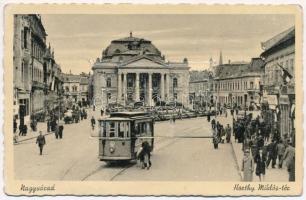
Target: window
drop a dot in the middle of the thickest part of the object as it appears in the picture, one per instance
(22, 71)
(121, 129)
(130, 82)
(111, 127)
(108, 82)
(25, 35)
(67, 89)
(174, 82)
(251, 85)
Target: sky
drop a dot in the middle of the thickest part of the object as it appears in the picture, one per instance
(79, 39)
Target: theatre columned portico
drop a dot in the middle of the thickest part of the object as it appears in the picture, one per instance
(133, 69)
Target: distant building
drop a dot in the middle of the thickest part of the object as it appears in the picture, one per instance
(279, 94)
(200, 88)
(75, 89)
(132, 69)
(238, 84)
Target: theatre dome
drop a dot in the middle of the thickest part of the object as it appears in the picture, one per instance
(125, 48)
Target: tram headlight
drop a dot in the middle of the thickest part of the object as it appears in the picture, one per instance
(112, 147)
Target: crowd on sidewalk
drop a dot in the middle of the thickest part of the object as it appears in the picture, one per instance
(262, 148)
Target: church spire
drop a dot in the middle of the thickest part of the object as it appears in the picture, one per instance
(220, 59)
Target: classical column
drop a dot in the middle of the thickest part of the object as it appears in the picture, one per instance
(119, 96)
(162, 87)
(150, 89)
(137, 87)
(168, 86)
(124, 88)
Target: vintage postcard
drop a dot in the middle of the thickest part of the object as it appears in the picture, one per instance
(153, 100)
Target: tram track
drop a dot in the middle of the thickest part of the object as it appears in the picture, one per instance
(163, 143)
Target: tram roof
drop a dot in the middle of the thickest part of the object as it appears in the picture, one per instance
(128, 114)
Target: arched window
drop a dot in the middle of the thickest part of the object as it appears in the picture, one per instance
(108, 82)
(174, 82)
(67, 89)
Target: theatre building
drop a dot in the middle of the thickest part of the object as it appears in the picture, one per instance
(132, 69)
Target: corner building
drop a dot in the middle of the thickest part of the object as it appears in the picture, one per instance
(132, 69)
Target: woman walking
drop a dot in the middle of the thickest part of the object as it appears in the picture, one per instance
(260, 161)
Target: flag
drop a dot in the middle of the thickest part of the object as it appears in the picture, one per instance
(285, 74)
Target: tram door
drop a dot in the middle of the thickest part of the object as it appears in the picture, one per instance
(117, 143)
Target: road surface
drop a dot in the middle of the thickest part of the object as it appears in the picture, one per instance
(75, 157)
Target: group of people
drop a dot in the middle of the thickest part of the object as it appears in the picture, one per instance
(262, 146)
(220, 134)
(144, 155)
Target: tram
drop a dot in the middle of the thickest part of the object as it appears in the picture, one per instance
(121, 135)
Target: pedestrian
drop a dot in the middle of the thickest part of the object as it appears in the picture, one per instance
(228, 131)
(93, 122)
(272, 154)
(260, 161)
(280, 153)
(24, 130)
(48, 125)
(60, 130)
(289, 154)
(20, 129)
(41, 141)
(174, 118)
(208, 117)
(14, 125)
(291, 169)
(213, 124)
(215, 140)
(232, 112)
(247, 167)
(56, 131)
(93, 107)
(146, 148)
(102, 111)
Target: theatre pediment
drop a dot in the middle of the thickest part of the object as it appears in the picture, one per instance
(143, 63)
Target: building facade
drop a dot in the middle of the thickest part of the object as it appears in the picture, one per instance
(238, 85)
(200, 89)
(36, 74)
(75, 89)
(132, 69)
(279, 54)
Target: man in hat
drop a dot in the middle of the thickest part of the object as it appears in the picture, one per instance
(41, 141)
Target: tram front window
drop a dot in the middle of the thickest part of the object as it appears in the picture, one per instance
(121, 129)
(111, 129)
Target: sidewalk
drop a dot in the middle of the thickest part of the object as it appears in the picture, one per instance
(271, 174)
(41, 126)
